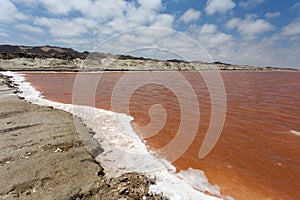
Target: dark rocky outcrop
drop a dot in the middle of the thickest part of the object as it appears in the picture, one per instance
(10, 52)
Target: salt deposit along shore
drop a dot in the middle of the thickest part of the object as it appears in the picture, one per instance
(56, 157)
(131, 182)
(43, 157)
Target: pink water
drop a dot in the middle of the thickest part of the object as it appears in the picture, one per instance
(258, 153)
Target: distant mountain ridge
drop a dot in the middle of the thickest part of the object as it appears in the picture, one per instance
(10, 52)
(14, 51)
(53, 58)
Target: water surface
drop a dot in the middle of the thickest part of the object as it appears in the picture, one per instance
(258, 153)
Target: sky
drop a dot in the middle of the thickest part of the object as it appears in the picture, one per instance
(246, 32)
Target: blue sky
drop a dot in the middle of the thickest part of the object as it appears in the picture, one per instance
(250, 32)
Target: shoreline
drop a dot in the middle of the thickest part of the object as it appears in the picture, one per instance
(168, 184)
(117, 159)
(43, 156)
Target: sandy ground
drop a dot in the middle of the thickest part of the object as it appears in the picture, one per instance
(43, 157)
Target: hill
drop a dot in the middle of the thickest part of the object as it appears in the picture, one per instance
(52, 58)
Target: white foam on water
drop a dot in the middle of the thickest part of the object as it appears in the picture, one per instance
(297, 133)
(124, 151)
(198, 180)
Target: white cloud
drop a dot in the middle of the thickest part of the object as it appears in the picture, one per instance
(233, 23)
(65, 27)
(140, 17)
(296, 5)
(100, 10)
(211, 37)
(154, 32)
(105, 10)
(3, 34)
(150, 5)
(58, 7)
(219, 6)
(117, 25)
(249, 27)
(292, 29)
(190, 15)
(9, 12)
(225, 48)
(272, 14)
(147, 14)
(80, 44)
(132, 39)
(218, 44)
(266, 54)
(102, 16)
(164, 21)
(137, 17)
(165, 43)
(250, 3)
(98, 17)
(28, 28)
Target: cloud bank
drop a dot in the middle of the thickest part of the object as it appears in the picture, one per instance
(216, 27)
